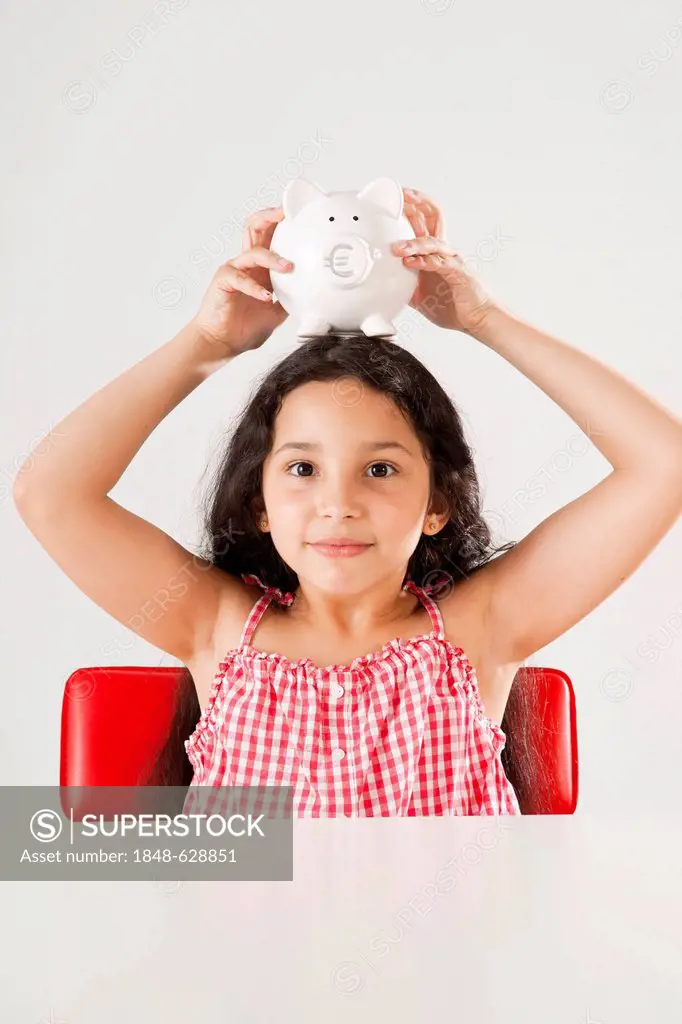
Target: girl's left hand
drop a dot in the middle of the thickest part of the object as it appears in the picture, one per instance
(447, 294)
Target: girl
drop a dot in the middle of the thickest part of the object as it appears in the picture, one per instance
(350, 631)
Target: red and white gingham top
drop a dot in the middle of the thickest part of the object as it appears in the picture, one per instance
(401, 731)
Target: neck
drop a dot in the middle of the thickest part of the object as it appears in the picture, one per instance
(373, 609)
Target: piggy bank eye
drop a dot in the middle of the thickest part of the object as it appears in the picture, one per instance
(356, 218)
(331, 218)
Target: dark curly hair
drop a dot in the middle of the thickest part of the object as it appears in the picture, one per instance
(458, 550)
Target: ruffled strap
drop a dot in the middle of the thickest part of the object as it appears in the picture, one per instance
(435, 580)
(281, 596)
(431, 605)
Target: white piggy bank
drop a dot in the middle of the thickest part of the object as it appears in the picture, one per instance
(345, 275)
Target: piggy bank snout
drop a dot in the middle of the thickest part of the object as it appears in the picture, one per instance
(348, 259)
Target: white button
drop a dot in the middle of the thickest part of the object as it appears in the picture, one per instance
(338, 754)
(337, 690)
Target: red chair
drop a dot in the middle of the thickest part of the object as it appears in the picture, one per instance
(115, 721)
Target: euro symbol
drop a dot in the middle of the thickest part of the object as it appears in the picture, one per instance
(338, 261)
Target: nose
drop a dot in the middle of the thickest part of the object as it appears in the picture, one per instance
(337, 499)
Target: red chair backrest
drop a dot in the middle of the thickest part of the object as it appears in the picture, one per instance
(115, 722)
(552, 737)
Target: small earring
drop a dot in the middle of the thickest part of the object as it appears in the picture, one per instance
(263, 523)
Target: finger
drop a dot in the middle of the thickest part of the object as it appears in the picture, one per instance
(423, 246)
(436, 222)
(260, 226)
(431, 212)
(261, 219)
(258, 256)
(437, 263)
(410, 212)
(420, 198)
(231, 279)
(421, 228)
(434, 218)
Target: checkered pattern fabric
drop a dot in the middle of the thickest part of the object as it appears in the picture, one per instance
(400, 731)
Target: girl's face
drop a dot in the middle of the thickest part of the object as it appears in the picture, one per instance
(344, 464)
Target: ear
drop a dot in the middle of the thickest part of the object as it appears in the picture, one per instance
(298, 194)
(438, 509)
(385, 193)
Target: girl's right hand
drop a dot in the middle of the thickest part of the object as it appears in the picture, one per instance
(237, 312)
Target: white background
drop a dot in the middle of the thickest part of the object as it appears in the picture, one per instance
(131, 140)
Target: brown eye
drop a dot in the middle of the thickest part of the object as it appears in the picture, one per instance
(387, 465)
(299, 464)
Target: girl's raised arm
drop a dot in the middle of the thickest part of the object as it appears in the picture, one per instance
(132, 569)
(581, 553)
(573, 560)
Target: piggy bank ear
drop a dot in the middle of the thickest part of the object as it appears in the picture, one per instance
(298, 194)
(385, 193)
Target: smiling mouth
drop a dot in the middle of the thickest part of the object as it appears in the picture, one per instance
(340, 548)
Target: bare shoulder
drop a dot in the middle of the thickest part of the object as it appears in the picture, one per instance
(466, 619)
